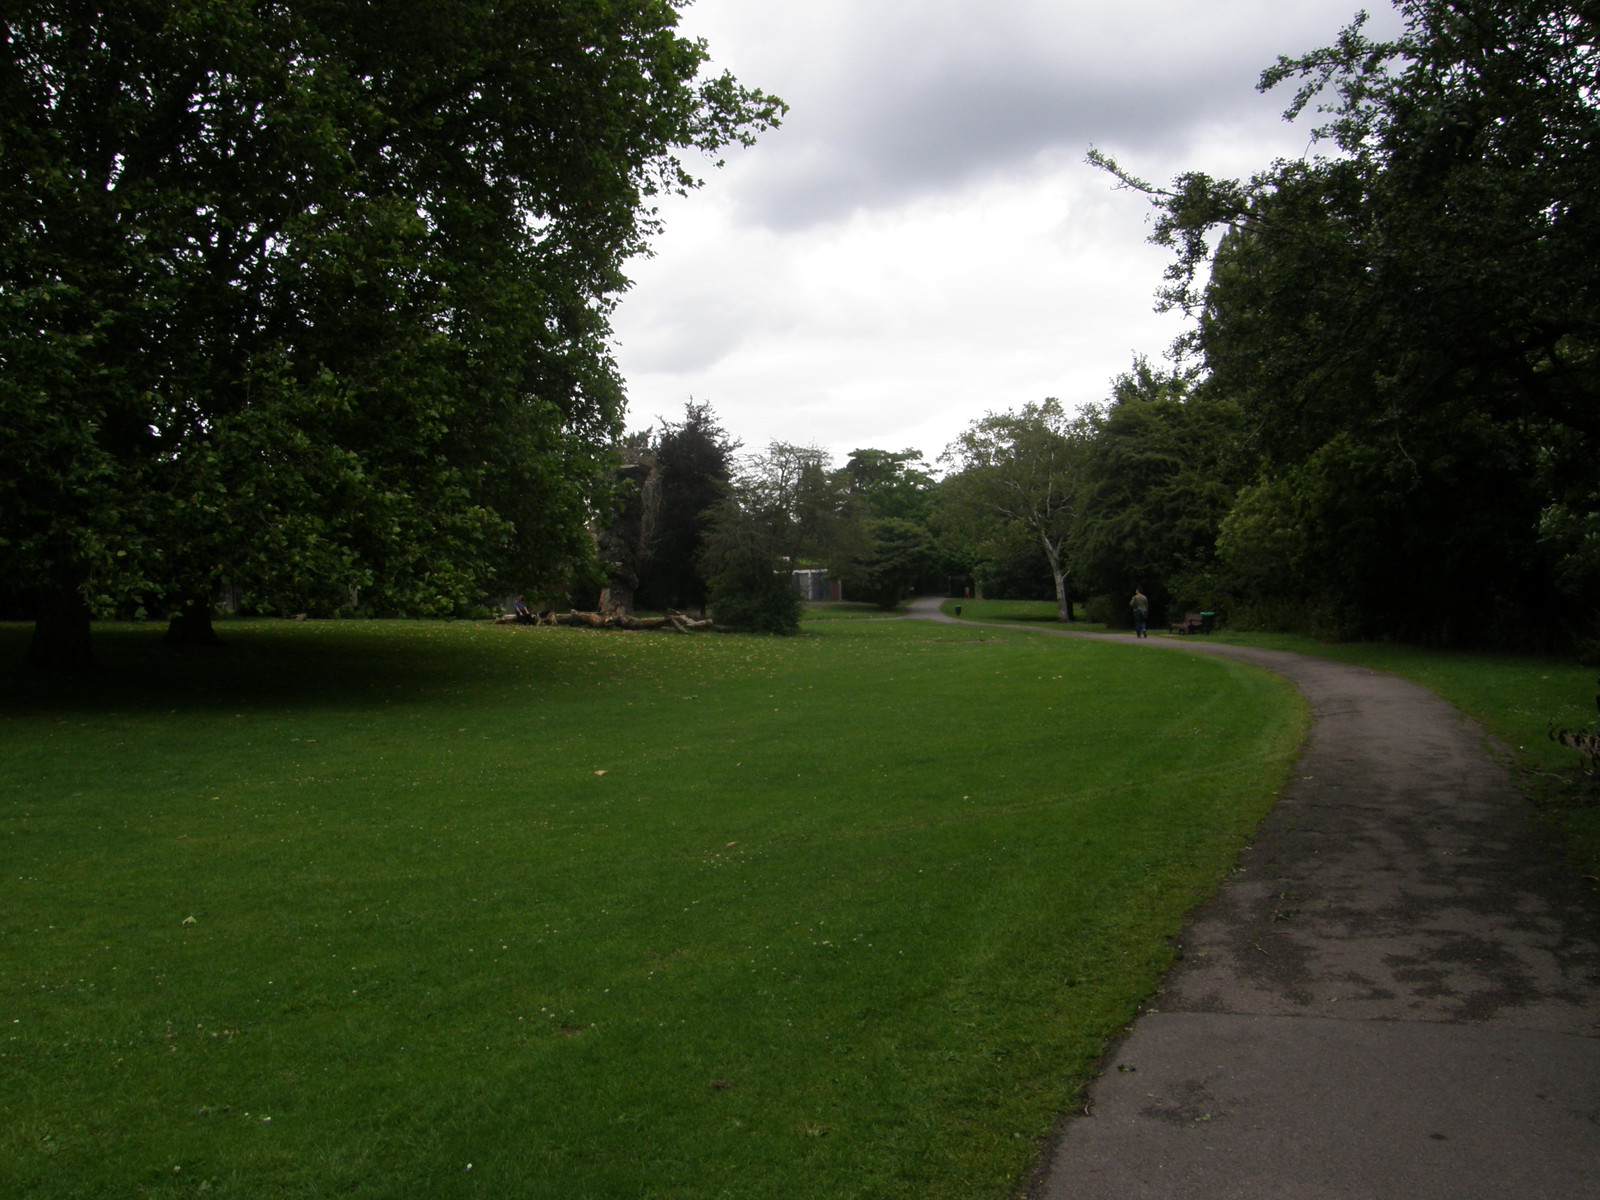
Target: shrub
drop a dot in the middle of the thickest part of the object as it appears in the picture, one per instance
(755, 593)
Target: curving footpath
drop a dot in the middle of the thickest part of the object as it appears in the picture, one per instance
(1396, 996)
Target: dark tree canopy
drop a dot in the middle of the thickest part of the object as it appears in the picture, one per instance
(1162, 464)
(693, 463)
(891, 484)
(312, 297)
(1410, 324)
(900, 559)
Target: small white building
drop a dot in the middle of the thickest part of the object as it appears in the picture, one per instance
(812, 583)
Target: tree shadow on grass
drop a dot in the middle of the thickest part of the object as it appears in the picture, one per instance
(259, 665)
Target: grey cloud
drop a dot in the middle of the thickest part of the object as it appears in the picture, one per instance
(945, 137)
(693, 333)
(896, 113)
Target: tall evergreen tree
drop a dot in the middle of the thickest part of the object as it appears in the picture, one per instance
(693, 465)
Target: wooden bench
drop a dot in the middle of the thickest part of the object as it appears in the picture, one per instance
(1191, 623)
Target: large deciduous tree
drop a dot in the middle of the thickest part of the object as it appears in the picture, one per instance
(807, 506)
(314, 296)
(1162, 465)
(890, 484)
(1018, 472)
(890, 550)
(1410, 322)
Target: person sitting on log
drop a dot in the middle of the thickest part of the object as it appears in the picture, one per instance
(520, 610)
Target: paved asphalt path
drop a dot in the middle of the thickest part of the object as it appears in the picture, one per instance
(1396, 996)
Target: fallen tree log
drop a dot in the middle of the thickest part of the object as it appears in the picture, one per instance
(629, 621)
(577, 618)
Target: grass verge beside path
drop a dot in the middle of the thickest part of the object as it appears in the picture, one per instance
(1517, 698)
(400, 910)
(1020, 612)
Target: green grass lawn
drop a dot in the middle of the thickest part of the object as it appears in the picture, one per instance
(1516, 698)
(401, 910)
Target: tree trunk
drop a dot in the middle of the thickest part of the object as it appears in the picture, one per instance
(616, 599)
(192, 626)
(61, 632)
(1063, 600)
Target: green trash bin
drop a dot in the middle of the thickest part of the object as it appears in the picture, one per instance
(1206, 621)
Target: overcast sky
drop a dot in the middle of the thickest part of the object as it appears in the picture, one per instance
(922, 241)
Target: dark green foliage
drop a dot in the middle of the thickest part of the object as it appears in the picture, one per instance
(749, 542)
(313, 298)
(891, 485)
(1015, 482)
(806, 507)
(1409, 330)
(1015, 571)
(755, 593)
(749, 583)
(900, 560)
(693, 464)
(1162, 466)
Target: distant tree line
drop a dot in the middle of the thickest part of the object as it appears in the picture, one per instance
(704, 527)
(1384, 421)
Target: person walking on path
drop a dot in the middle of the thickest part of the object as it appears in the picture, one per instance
(1141, 612)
